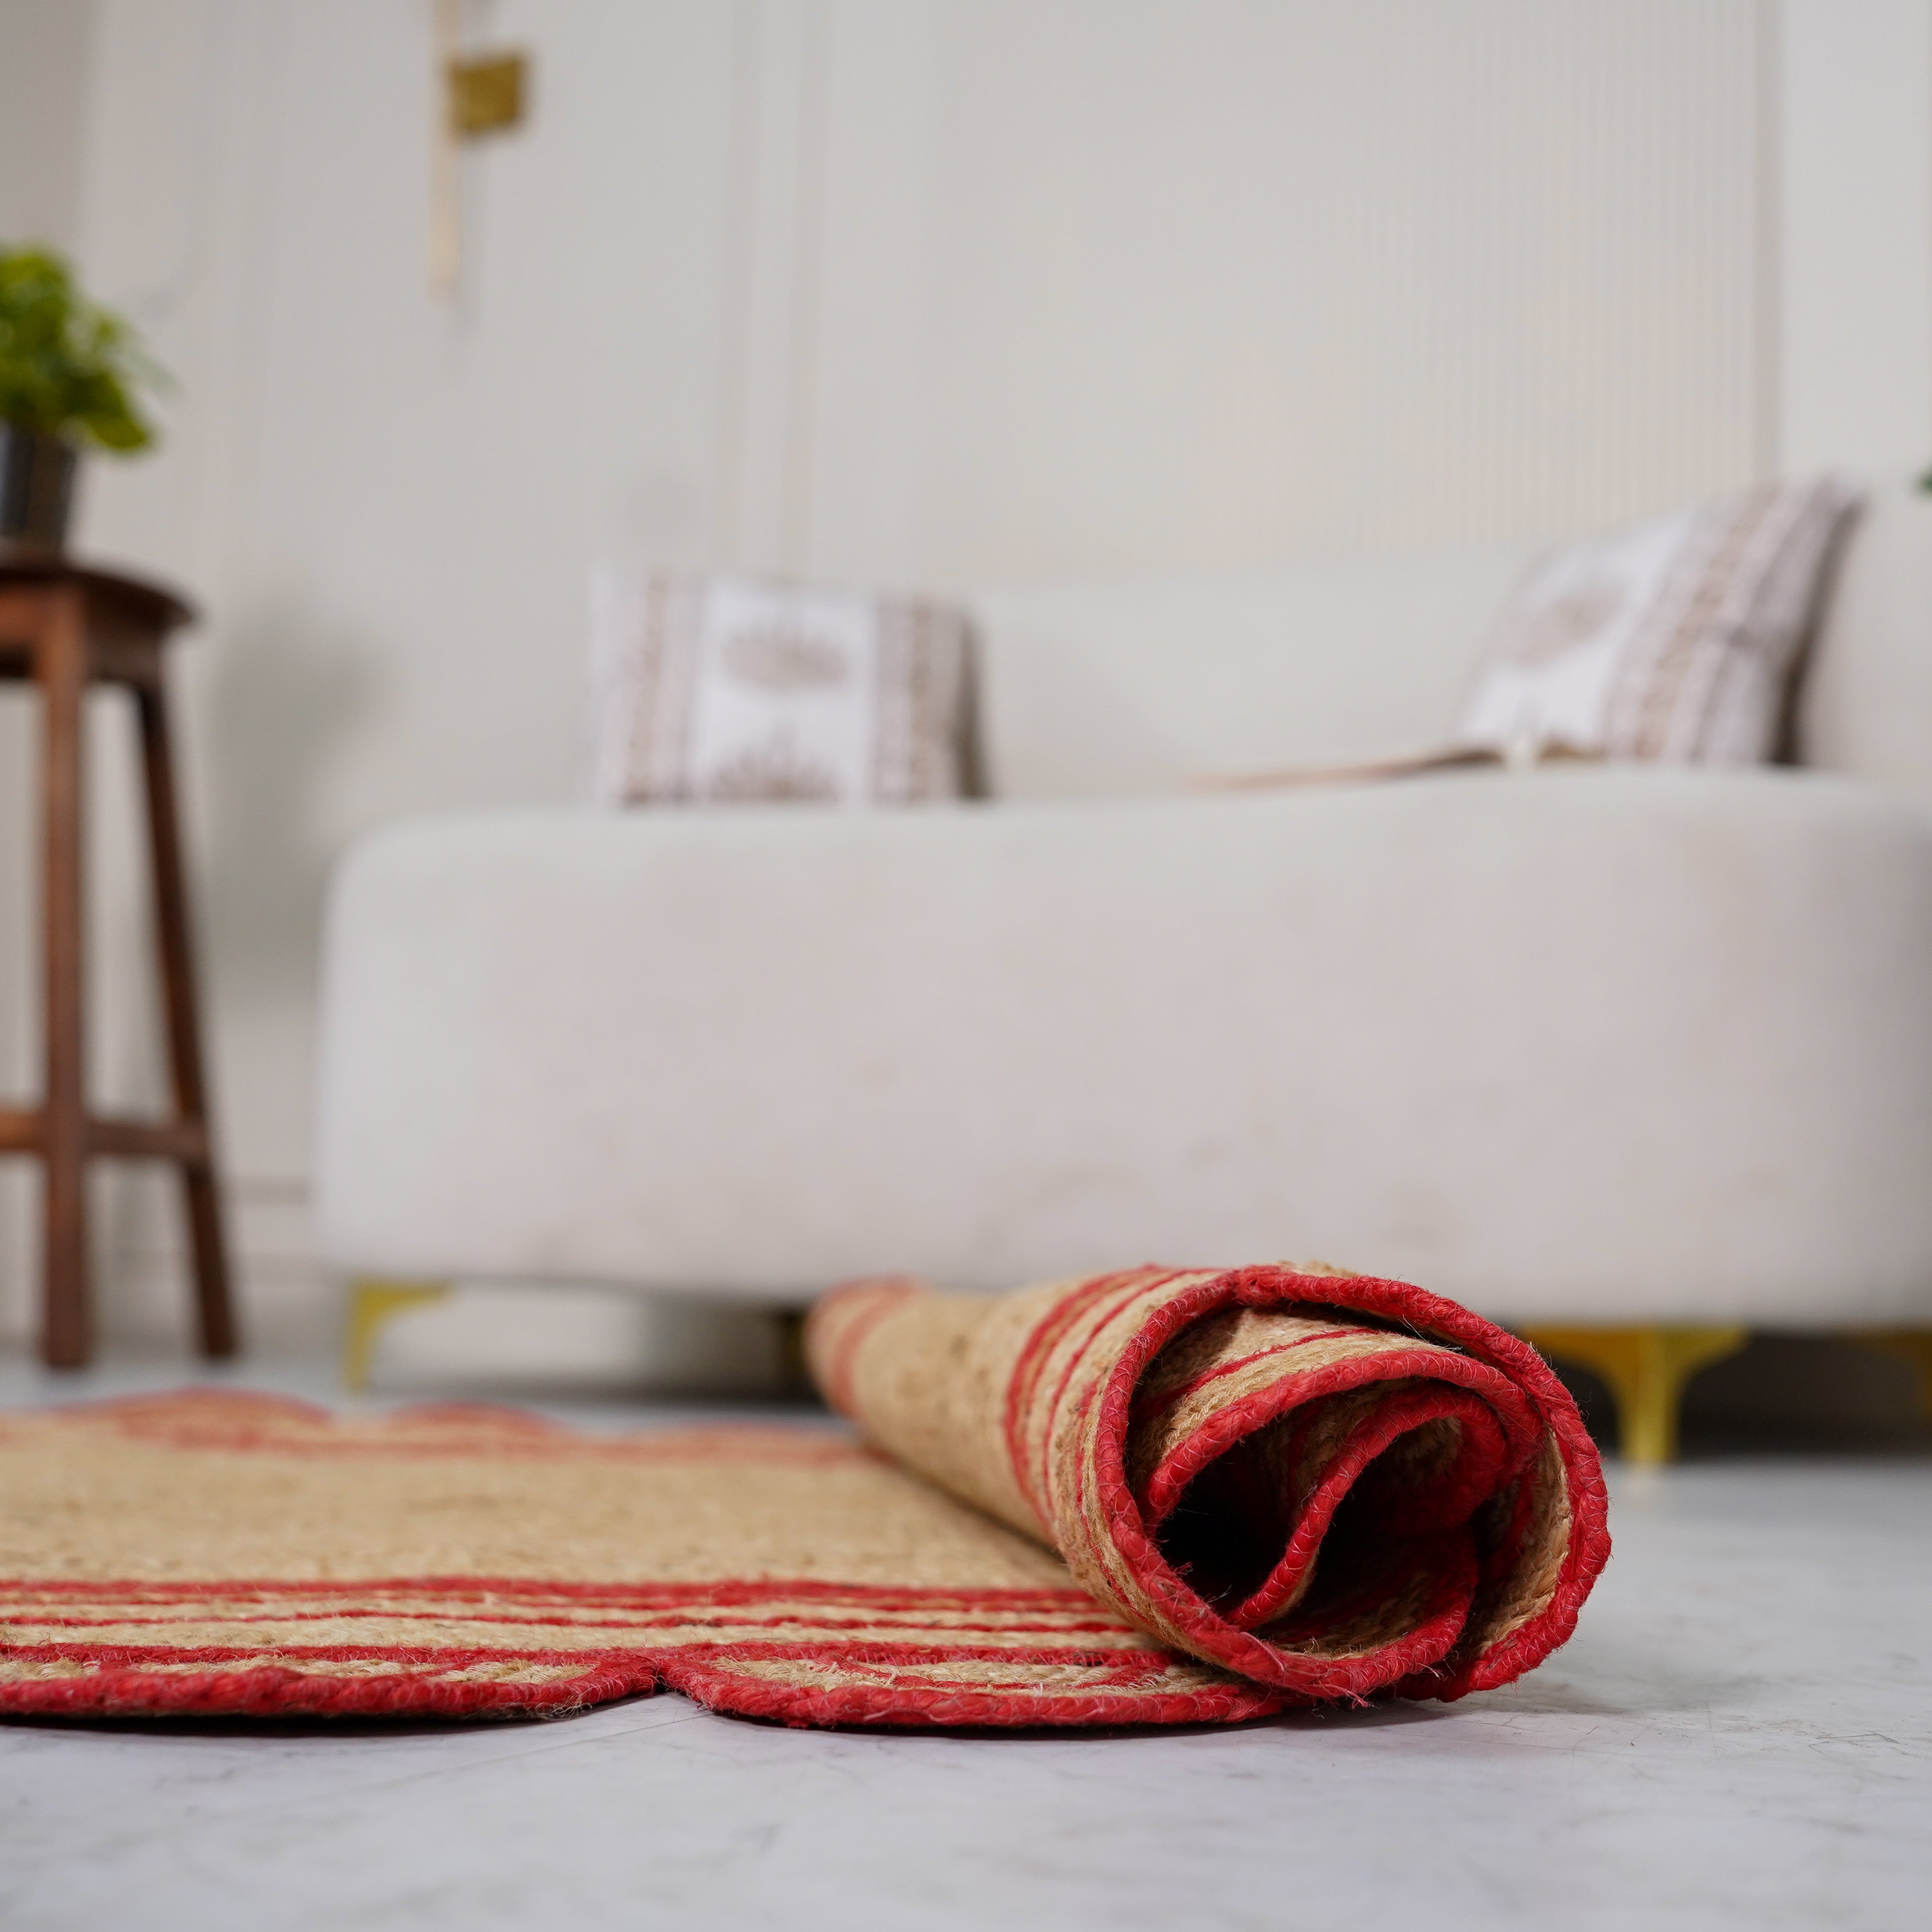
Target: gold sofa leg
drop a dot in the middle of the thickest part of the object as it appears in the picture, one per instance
(1912, 1346)
(373, 1305)
(1646, 1370)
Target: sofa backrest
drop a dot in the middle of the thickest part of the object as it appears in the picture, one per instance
(1866, 706)
(1142, 686)
(1133, 687)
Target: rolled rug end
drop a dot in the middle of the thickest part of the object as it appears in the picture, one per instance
(1333, 1485)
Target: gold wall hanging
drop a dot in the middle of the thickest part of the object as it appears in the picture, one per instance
(476, 96)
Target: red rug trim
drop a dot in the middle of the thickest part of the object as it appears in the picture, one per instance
(1226, 1427)
(1589, 1501)
(1225, 1637)
(701, 1672)
(1392, 1419)
(268, 1692)
(1412, 1659)
(925, 1707)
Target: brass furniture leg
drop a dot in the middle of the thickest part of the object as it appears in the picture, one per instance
(1646, 1370)
(373, 1305)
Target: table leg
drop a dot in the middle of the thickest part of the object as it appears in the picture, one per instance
(67, 1337)
(174, 946)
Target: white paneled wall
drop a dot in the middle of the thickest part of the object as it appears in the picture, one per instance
(1113, 285)
(934, 291)
(1853, 251)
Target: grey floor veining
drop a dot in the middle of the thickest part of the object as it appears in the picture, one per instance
(1740, 1735)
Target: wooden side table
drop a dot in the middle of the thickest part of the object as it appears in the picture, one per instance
(62, 627)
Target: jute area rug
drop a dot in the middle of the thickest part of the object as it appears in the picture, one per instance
(1147, 1498)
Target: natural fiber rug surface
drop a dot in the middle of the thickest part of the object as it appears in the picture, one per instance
(1265, 1488)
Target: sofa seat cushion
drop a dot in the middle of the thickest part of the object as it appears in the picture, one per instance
(1602, 1043)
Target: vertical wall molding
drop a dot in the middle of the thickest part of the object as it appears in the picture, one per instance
(734, 286)
(1769, 238)
(771, 297)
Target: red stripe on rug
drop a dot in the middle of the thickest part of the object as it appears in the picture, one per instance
(733, 1590)
(888, 1292)
(1158, 1279)
(688, 1621)
(469, 1656)
(1146, 1410)
(1030, 1364)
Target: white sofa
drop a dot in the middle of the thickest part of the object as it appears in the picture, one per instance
(1628, 1048)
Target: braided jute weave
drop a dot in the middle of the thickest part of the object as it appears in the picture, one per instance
(1150, 1497)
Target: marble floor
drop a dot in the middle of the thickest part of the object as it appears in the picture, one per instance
(1740, 1735)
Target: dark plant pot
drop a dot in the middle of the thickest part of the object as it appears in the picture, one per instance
(36, 490)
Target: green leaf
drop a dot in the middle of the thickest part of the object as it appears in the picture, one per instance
(67, 367)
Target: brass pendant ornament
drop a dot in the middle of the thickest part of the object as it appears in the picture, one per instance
(478, 95)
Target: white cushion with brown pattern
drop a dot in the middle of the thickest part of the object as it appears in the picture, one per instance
(715, 689)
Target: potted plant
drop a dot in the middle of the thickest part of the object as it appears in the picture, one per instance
(70, 374)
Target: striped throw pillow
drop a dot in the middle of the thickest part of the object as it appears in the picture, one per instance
(712, 688)
(1677, 640)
